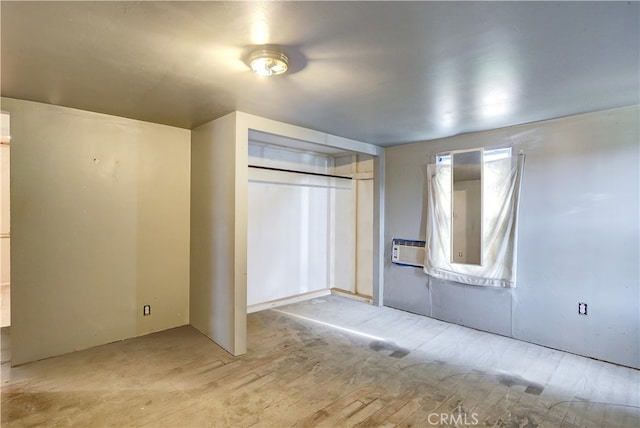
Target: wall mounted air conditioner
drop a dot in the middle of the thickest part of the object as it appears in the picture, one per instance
(407, 252)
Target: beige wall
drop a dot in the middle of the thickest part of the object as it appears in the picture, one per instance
(100, 227)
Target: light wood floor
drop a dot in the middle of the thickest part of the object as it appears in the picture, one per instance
(325, 362)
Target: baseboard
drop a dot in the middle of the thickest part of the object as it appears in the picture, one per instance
(287, 300)
(350, 295)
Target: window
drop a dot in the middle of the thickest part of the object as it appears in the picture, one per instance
(489, 155)
(501, 176)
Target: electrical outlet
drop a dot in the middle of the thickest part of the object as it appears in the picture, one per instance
(582, 308)
(146, 310)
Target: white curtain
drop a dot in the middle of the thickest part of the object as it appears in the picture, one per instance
(501, 189)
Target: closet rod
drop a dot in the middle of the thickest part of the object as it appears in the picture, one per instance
(298, 172)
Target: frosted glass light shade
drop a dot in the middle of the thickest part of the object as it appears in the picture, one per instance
(265, 62)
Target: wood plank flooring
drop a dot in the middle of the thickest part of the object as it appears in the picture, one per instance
(327, 362)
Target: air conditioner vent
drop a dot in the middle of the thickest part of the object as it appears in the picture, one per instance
(406, 252)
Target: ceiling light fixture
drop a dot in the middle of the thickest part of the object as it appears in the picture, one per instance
(268, 62)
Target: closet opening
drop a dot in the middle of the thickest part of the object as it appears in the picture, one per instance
(310, 222)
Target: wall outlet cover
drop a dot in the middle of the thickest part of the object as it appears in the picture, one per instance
(582, 308)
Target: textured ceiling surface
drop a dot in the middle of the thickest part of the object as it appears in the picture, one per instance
(380, 72)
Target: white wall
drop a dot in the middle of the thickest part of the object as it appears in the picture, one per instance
(306, 232)
(5, 215)
(292, 239)
(579, 237)
(100, 227)
(217, 305)
(364, 237)
(361, 168)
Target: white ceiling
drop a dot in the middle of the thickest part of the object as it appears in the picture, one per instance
(381, 72)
